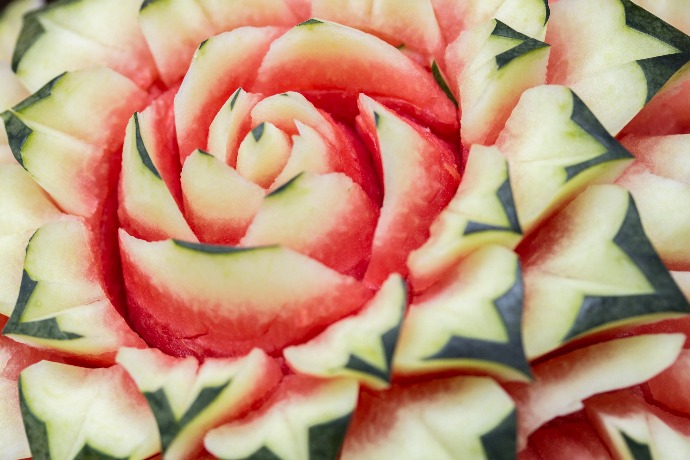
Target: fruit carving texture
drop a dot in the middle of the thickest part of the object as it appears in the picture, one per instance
(344, 230)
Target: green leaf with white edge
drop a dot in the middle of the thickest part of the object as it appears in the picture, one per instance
(566, 150)
(471, 319)
(447, 418)
(307, 424)
(482, 212)
(77, 413)
(361, 346)
(561, 384)
(61, 304)
(188, 398)
(606, 273)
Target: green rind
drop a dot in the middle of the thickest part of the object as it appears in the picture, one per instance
(510, 353)
(43, 93)
(667, 297)
(215, 249)
(32, 30)
(309, 22)
(263, 454)
(141, 148)
(585, 119)
(442, 83)
(643, 21)
(42, 329)
(505, 197)
(258, 132)
(501, 442)
(637, 450)
(326, 439)
(285, 187)
(659, 70)
(528, 44)
(89, 453)
(233, 99)
(36, 430)
(389, 340)
(17, 134)
(168, 425)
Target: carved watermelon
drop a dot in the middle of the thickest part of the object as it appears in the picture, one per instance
(325, 229)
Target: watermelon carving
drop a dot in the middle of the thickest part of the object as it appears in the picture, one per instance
(327, 230)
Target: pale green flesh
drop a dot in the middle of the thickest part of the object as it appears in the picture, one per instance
(511, 353)
(44, 329)
(586, 120)
(666, 298)
(169, 425)
(528, 44)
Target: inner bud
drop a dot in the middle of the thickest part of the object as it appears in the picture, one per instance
(263, 154)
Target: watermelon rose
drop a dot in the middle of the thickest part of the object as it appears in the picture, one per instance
(292, 229)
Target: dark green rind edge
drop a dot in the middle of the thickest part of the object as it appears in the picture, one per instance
(585, 119)
(659, 70)
(286, 186)
(505, 197)
(233, 99)
(377, 119)
(547, 11)
(168, 426)
(36, 430)
(310, 22)
(89, 453)
(17, 134)
(146, 3)
(32, 30)
(389, 341)
(501, 442)
(667, 297)
(637, 450)
(643, 21)
(528, 44)
(217, 249)
(326, 439)
(263, 454)
(42, 329)
(43, 93)
(511, 353)
(141, 148)
(442, 83)
(37, 434)
(258, 132)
